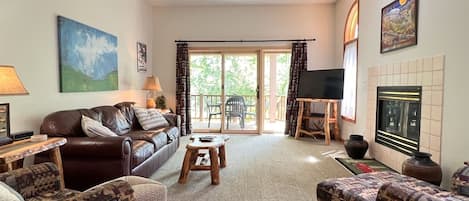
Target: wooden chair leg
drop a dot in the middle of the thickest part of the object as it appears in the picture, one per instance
(214, 167)
(222, 155)
(185, 167)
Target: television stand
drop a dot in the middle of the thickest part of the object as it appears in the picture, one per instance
(329, 117)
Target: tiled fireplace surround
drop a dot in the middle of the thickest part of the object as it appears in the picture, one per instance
(426, 72)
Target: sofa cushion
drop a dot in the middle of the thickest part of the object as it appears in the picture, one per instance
(113, 118)
(150, 118)
(93, 128)
(146, 189)
(111, 191)
(128, 111)
(396, 191)
(141, 150)
(415, 191)
(157, 137)
(172, 133)
(361, 187)
(66, 123)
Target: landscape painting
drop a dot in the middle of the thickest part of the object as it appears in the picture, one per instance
(399, 25)
(87, 58)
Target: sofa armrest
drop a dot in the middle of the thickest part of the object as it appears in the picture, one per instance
(33, 180)
(99, 147)
(173, 119)
(115, 190)
(395, 191)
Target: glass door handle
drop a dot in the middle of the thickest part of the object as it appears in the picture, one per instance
(257, 92)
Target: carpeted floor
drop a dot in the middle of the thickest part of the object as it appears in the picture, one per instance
(259, 168)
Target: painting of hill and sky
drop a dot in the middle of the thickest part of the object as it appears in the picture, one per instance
(87, 56)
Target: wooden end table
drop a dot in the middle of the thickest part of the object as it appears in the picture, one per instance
(192, 154)
(23, 148)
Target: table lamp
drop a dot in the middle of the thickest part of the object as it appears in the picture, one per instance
(10, 84)
(152, 84)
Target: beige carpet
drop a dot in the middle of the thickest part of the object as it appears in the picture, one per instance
(260, 168)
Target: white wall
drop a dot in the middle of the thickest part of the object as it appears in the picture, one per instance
(29, 42)
(442, 30)
(236, 23)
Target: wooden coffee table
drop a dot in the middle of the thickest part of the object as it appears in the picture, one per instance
(193, 153)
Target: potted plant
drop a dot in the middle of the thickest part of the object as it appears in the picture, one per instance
(161, 102)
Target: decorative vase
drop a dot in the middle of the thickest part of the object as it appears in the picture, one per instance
(422, 167)
(356, 147)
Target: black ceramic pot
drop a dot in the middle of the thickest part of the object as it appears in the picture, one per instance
(422, 167)
(356, 147)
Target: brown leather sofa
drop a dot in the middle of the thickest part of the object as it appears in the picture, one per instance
(89, 161)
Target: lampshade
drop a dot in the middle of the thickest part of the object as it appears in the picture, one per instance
(10, 83)
(152, 83)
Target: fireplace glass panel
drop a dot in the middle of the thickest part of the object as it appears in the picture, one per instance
(391, 113)
(398, 118)
(413, 122)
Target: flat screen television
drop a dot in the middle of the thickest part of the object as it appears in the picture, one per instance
(322, 84)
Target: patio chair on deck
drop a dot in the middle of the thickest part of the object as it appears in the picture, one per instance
(213, 109)
(235, 107)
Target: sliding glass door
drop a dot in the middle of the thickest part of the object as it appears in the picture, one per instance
(206, 91)
(276, 73)
(224, 92)
(239, 91)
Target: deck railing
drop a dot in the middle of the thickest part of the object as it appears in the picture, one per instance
(202, 105)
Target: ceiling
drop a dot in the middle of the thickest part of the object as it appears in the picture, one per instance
(234, 2)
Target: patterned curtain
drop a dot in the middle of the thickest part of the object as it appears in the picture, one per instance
(183, 86)
(298, 64)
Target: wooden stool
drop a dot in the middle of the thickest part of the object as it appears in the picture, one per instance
(192, 154)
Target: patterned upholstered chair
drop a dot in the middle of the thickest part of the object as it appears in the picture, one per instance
(383, 186)
(42, 182)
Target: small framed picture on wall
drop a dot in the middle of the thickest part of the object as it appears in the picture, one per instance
(399, 25)
(141, 57)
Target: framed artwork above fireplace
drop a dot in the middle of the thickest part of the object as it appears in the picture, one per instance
(399, 25)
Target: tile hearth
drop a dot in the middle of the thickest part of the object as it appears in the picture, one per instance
(425, 72)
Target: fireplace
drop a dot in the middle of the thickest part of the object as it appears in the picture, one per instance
(398, 118)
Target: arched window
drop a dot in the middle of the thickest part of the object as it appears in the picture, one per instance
(349, 103)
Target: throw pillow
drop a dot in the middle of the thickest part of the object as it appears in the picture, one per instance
(93, 128)
(150, 118)
(9, 194)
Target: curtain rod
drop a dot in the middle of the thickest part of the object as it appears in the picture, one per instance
(244, 41)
